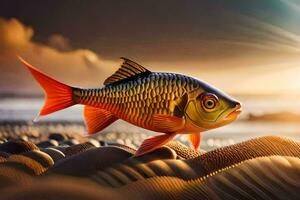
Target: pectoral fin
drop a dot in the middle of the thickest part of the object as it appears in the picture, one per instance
(167, 123)
(195, 139)
(153, 143)
(97, 119)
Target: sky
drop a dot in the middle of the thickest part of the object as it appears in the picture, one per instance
(241, 47)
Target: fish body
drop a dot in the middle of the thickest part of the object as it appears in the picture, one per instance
(163, 102)
(137, 101)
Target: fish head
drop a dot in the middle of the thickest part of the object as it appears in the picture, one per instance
(210, 108)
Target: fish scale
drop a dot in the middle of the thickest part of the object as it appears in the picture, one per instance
(150, 99)
(163, 102)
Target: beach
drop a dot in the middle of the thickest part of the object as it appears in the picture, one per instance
(24, 110)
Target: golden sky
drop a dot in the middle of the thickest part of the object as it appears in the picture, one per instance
(238, 52)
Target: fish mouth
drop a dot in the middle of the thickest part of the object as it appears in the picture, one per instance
(233, 114)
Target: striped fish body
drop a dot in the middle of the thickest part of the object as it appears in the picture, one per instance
(162, 102)
(138, 100)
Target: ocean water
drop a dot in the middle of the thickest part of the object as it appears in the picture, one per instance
(15, 109)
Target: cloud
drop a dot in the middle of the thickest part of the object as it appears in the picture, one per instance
(82, 67)
(272, 66)
(13, 35)
(292, 4)
(269, 36)
(59, 42)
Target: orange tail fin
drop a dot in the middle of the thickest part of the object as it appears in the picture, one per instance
(58, 95)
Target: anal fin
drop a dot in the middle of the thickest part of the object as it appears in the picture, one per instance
(96, 119)
(153, 143)
(195, 139)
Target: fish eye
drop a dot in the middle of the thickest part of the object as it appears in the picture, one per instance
(209, 102)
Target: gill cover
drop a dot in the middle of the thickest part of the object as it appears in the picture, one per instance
(204, 108)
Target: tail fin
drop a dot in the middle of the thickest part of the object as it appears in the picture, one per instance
(58, 95)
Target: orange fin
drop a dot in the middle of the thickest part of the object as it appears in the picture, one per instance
(167, 123)
(58, 95)
(153, 143)
(195, 139)
(97, 119)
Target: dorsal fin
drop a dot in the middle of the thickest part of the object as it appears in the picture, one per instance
(128, 69)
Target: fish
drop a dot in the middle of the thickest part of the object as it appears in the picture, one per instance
(167, 103)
